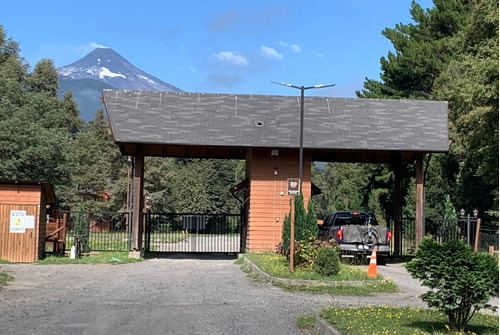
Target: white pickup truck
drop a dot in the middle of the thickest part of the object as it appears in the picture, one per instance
(356, 233)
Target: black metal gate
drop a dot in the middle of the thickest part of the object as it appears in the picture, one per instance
(174, 232)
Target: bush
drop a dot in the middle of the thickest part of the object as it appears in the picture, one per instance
(327, 260)
(461, 282)
(306, 250)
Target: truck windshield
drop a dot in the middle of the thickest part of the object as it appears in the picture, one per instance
(351, 219)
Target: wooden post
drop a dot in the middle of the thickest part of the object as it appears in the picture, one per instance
(398, 184)
(138, 199)
(419, 206)
(476, 239)
(292, 234)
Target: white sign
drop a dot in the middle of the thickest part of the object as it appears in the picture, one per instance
(293, 186)
(29, 222)
(17, 221)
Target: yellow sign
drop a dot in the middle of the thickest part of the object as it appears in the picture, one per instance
(17, 219)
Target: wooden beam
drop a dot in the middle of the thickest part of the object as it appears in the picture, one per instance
(398, 185)
(419, 206)
(138, 199)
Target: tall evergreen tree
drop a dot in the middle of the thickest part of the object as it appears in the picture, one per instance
(451, 54)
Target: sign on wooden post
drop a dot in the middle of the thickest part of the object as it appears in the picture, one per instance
(293, 190)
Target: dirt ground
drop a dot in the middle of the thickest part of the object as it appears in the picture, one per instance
(176, 294)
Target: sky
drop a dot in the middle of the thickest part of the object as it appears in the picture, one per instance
(235, 47)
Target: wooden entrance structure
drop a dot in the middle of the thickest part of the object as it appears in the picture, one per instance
(264, 131)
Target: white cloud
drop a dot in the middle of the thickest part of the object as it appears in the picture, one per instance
(293, 47)
(320, 55)
(96, 45)
(270, 52)
(231, 58)
(296, 48)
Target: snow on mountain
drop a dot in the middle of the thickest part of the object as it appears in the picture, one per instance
(107, 65)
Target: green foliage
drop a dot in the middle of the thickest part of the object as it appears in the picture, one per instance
(327, 261)
(449, 211)
(305, 224)
(4, 278)
(203, 185)
(344, 187)
(461, 282)
(306, 250)
(283, 247)
(400, 320)
(450, 53)
(81, 227)
(98, 168)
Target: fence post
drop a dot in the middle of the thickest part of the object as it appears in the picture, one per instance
(476, 239)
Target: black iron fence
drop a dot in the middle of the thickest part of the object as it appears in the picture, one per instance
(174, 232)
(407, 238)
(99, 231)
(445, 230)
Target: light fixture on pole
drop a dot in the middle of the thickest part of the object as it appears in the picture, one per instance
(301, 158)
(301, 145)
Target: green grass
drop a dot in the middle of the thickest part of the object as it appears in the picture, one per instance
(4, 278)
(401, 321)
(116, 257)
(306, 322)
(278, 266)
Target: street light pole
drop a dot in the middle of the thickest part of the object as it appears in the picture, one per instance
(301, 158)
(301, 140)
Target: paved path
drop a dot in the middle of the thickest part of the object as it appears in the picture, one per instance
(175, 295)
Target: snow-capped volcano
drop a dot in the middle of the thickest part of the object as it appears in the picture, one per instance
(100, 69)
(108, 66)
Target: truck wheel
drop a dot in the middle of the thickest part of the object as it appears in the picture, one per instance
(382, 260)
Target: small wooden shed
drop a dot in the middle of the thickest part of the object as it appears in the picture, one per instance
(23, 205)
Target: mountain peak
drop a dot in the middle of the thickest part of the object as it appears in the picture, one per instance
(104, 68)
(108, 66)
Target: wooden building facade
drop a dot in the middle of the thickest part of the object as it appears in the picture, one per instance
(23, 219)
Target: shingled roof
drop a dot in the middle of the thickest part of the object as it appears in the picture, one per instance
(267, 121)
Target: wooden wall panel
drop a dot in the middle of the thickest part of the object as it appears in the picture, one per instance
(18, 247)
(269, 202)
(20, 194)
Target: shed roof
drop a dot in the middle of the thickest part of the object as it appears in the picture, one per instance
(47, 188)
(240, 121)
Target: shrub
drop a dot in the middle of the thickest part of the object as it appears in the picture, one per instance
(461, 282)
(327, 260)
(305, 224)
(306, 250)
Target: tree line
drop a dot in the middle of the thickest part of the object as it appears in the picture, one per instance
(449, 52)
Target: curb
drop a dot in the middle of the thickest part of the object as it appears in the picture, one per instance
(323, 327)
(306, 282)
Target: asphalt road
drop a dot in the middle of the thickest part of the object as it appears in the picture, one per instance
(178, 294)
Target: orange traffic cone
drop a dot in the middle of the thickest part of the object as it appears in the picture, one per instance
(372, 268)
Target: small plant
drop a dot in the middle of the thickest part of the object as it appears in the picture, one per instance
(4, 278)
(306, 250)
(327, 260)
(461, 282)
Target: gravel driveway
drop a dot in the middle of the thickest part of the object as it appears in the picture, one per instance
(178, 294)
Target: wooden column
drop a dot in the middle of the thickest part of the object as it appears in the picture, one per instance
(419, 206)
(398, 185)
(138, 199)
